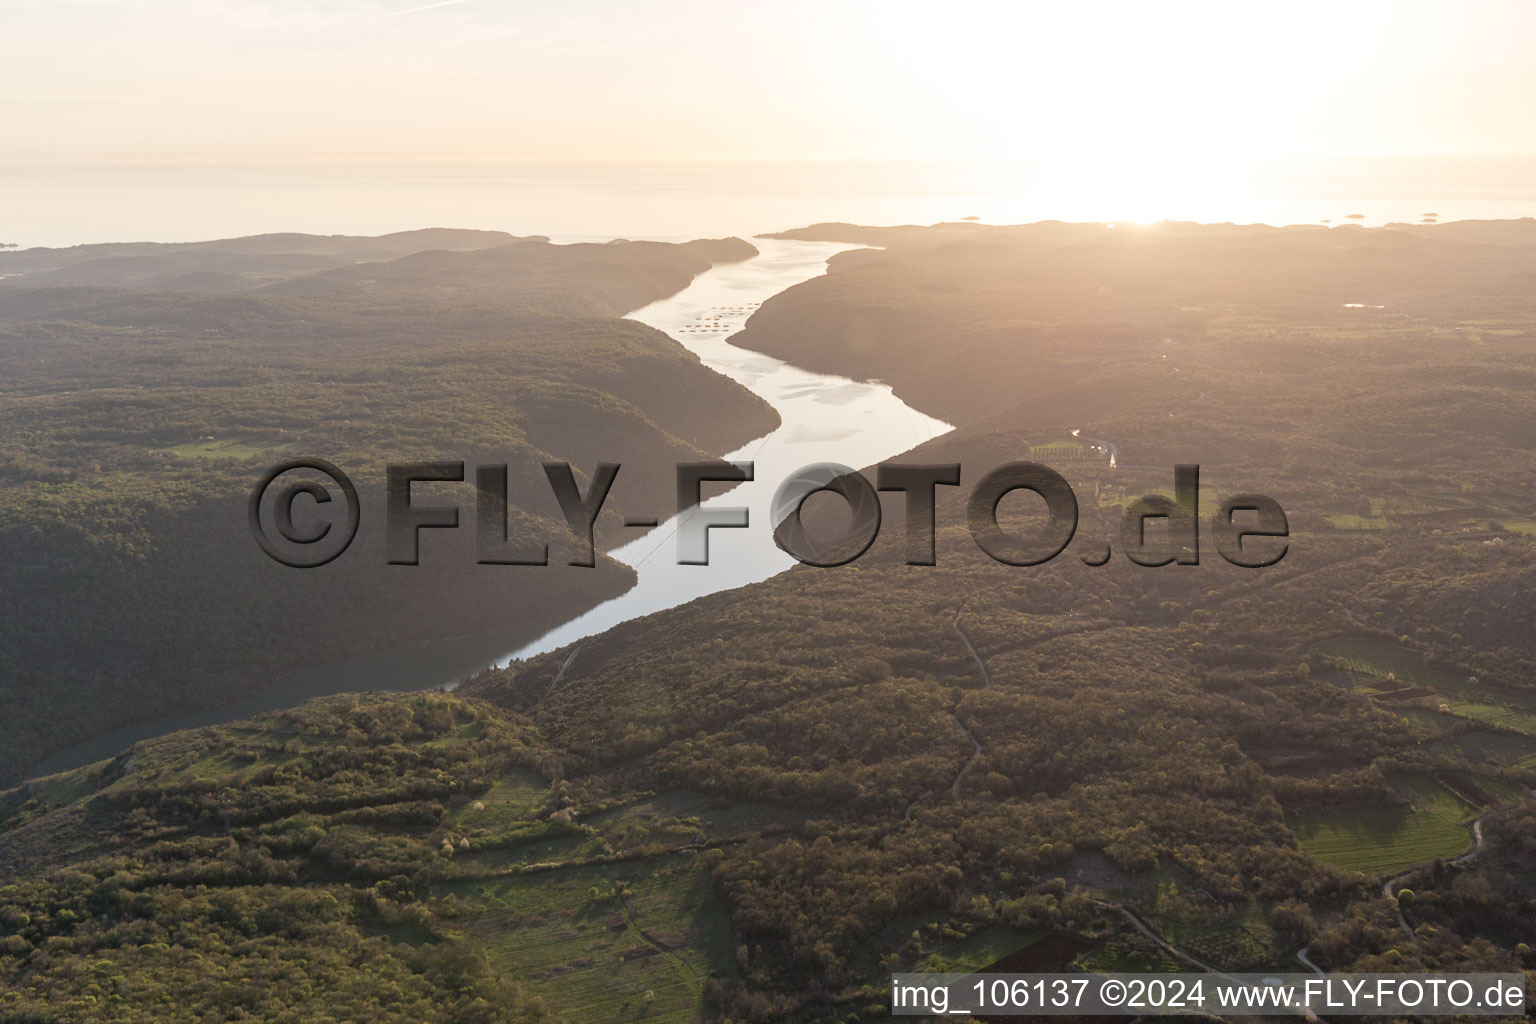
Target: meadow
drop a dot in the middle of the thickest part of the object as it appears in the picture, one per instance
(614, 942)
(1378, 841)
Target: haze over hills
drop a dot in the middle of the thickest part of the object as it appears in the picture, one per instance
(758, 805)
(1212, 654)
(1220, 726)
(1069, 297)
(235, 262)
(136, 420)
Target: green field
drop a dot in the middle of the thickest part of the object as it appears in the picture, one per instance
(1501, 790)
(1404, 505)
(1381, 657)
(1431, 724)
(1501, 716)
(1497, 747)
(1380, 841)
(506, 835)
(598, 956)
(506, 803)
(1477, 701)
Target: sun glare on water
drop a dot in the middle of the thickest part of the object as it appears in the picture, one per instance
(1110, 187)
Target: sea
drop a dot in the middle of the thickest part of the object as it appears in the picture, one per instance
(43, 204)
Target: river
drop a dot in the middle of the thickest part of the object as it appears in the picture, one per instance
(825, 418)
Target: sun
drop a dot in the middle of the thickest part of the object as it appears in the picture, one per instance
(1116, 111)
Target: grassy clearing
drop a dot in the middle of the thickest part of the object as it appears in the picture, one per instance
(1380, 841)
(514, 853)
(1501, 790)
(615, 942)
(1350, 521)
(630, 940)
(678, 817)
(1431, 724)
(1501, 716)
(979, 949)
(509, 801)
(220, 449)
(1404, 505)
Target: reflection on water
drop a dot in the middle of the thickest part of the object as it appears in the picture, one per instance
(825, 419)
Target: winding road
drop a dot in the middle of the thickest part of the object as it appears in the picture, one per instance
(1179, 954)
(986, 681)
(975, 758)
(1389, 887)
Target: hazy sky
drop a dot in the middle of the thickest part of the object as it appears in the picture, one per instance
(1073, 83)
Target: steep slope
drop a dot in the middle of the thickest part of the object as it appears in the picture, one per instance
(135, 423)
(969, 320)
(282, 878)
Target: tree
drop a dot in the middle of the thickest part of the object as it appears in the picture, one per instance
(1293, 922)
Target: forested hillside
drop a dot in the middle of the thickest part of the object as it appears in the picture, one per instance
(1181, 741)
(1239, 756)
(279, 871)
(135, 420)
(755, 806)
(1071, 320)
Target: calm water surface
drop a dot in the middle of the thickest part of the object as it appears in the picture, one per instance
(668, 201)
(826, 418)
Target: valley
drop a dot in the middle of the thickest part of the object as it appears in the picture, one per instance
(756, 803)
